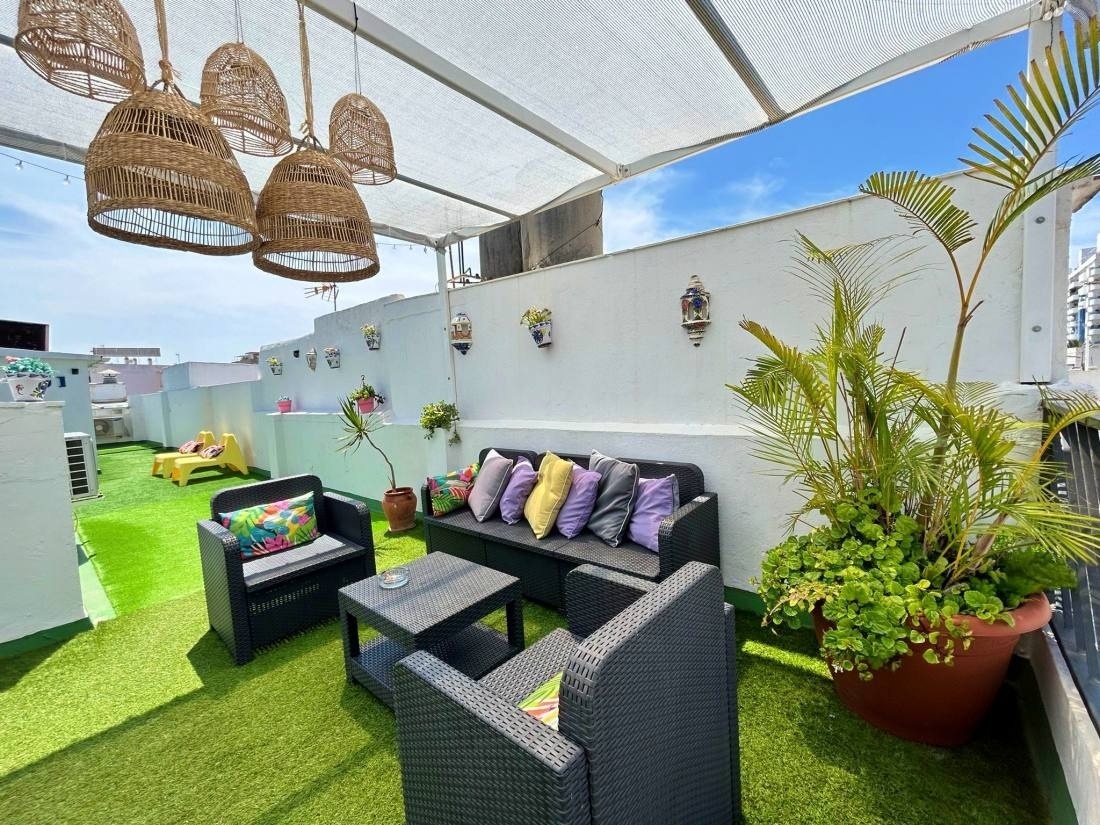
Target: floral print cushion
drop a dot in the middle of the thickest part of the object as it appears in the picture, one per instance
(271, 528)
(451, 491)
(543, 702)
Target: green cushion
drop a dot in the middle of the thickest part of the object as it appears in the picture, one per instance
(543, 701)
(271, 528)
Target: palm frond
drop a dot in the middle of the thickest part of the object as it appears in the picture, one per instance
(1055, 93)
(926, 203)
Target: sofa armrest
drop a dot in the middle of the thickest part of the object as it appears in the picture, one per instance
(350, 519)
(425, 500)
(690, 534)
(450, 728)
(595, 595)
(223, 582)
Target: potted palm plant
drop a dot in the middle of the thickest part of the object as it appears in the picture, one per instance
(929, 527)
(398, 503)
(366, 398)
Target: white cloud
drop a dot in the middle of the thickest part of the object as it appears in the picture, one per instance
(634, 212)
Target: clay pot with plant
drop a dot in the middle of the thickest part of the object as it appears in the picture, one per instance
(398, 503)
(931, 526)
(366, 398)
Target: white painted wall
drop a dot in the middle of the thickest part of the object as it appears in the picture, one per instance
(206, 374)
(621, 376)
(39, 582)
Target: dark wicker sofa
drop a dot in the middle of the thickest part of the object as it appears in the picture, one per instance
(254, 603)
(689, 534)
(647, 717)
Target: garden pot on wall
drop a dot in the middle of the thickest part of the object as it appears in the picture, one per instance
(366, 405)
(399, 505)
(540, 333)
(283, 406)
(28, 387)
(939, 704)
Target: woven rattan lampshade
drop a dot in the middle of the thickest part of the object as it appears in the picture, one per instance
(242, 98)
(158, 173)
(359, 139)
(87, 47)
(313, 224)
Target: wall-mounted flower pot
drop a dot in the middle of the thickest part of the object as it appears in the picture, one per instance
(540, 333)
(276, 369)
(283, 406)
(311, 359)
(373, 337)
(366, 405)
(28, 387)
(332, 357)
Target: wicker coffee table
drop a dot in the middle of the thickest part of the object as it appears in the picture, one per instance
(438, 610)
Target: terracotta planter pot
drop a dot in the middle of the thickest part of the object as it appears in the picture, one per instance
(283, 406)
(366, 405)
(939, 704)
(399, 505)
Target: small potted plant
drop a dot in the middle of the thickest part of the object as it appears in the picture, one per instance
(276, 365)
(398, 503)
(372, 336)
(283, 404)
(332, 356)
(311, 358)
(28, 378)
(439, 415)
(539, 325)
(366, 398)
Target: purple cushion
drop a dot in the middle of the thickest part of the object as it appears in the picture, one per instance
(657, 499)
(578, 505)
(519, 488)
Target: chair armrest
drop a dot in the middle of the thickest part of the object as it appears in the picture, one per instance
(595, 595)
(349, 518)
(450, 728)
(425, 500)
(690, 534)
(223, 581)
(214, 539)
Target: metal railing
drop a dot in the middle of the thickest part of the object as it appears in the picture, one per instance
(1076, 621)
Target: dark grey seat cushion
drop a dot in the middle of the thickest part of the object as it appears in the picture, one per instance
(615, 500)
(628, 557)
(272, 569)
(517, 678)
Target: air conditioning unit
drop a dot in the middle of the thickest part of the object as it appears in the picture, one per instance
(112, 428)
(83, 475)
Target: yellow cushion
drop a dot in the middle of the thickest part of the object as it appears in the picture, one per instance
(541, 509)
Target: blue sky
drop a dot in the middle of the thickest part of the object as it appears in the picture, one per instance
(93, 290)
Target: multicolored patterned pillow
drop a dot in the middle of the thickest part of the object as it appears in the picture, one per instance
(451, 491)
(543, 702)
(213, 451)
(272, 528)
(189, 447)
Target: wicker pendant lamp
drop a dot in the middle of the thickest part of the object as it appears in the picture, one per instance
(313, 224)
(159, 174)
(359, 136)
(87, 47)
(242, 98)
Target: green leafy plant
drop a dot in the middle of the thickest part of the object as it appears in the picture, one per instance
(26, 366)
(368, 330)
(359, 427)
(365, 390)
(440, 415)
(274, 362)
(534, 315)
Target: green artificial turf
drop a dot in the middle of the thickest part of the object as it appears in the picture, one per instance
(146, 720)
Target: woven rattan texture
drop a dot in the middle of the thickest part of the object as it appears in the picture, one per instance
(87, 47)
(313, 224)
(360, 141)
(159, 174)
(241, 96)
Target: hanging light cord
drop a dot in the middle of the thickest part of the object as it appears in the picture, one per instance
(355, 49)
(162, 35)
(307, 81)
(237, 20)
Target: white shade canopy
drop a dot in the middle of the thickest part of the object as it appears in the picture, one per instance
(499, 108)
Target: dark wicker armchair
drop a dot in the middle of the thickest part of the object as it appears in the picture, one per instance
(254, 603)
(647, 719)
